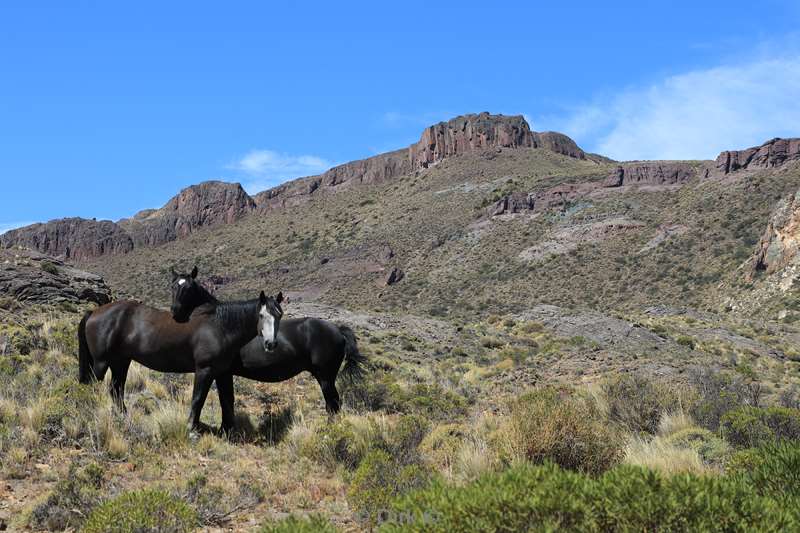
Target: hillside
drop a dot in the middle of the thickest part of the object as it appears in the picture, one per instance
(520, 300)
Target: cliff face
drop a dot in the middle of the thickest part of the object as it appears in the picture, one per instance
(779, 244)
(73, 238)
(461, 135)
(651, 173)
(771, 154)
(206, 204)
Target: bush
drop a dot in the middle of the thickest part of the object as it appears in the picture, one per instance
(429, 400)
(637, 403)
(623, 499)
(49, 267)
(773, 469)
(718, 393)
(562, 427)
(710, 448)
(293, 524)
(749, 427)
(406, 438)
(441, 445)
(378, 480)
(151, 510)
(70, 499)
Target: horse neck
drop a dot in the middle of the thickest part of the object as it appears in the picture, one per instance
(206, 297)
(239, 320)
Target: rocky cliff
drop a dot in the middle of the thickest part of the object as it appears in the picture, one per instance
(771, 154)
(461, 135)
(779, 244)
(205, 204)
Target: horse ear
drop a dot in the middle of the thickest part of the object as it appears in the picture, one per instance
(262, 298)
(172, 271)
(279, 297)
(194, 272)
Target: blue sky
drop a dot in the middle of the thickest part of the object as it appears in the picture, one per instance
(108, 108)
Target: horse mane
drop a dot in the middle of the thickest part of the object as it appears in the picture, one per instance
(235, 315)
(206, 296)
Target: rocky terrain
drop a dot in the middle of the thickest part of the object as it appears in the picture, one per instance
(487, 269)
(31, 277)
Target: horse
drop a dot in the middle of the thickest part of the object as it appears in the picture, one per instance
(302, 344)
(207, 344)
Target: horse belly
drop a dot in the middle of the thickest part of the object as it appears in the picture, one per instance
(150, 351)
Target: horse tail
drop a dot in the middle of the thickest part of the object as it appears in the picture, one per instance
(354, 361)
(85, 359)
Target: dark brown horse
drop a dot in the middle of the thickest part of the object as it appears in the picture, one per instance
(299, 344)
(112, 336)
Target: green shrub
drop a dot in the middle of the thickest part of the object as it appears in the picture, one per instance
(293, 524)
(710, 448)
(773, 469)
(378, 479)
(69, 401)
(637, 403)
(429, 400)
(150, 510)
(49, 267)
(406, 437)
(749, 427)
(370, 393)
(562, 427)
(547, 498)
(718, 393)
(441, 445)
(70, 500)
(19, 340)
(339, 443)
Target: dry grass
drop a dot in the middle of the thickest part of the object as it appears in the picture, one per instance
(659, 455)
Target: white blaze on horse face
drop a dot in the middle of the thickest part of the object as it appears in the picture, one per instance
(181, 281)
(267, 324)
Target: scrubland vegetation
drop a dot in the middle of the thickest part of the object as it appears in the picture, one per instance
(412, 450)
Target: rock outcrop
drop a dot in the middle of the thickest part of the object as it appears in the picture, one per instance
(206, 204)
(72, 238)
(461, 135)
(651, 173)
(771, 154)
(32, 277)
(780, 243)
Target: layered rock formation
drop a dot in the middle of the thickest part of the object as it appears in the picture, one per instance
(75, 238)
(651, 173)
(461, 135)
(771, 154)
(206, 204)
(36, 278)
(779, 244)
(626, 174)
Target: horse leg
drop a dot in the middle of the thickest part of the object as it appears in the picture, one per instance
(119, 373)
(328, 386)
(202, 382)
(225, 391)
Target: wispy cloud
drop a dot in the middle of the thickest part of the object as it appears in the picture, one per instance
(693, 115)
(263, 169)
(8, 226)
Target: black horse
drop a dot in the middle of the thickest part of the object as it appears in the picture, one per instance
(207, 344)
(301, 344)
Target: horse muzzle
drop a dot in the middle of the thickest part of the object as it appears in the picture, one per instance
(269, 346)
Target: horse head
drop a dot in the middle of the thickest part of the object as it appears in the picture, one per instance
(269, 319)
(187, 294)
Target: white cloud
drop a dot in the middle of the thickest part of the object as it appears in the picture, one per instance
(267, 168)
(694, 115)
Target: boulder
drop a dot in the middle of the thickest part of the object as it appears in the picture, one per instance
(32, 277)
